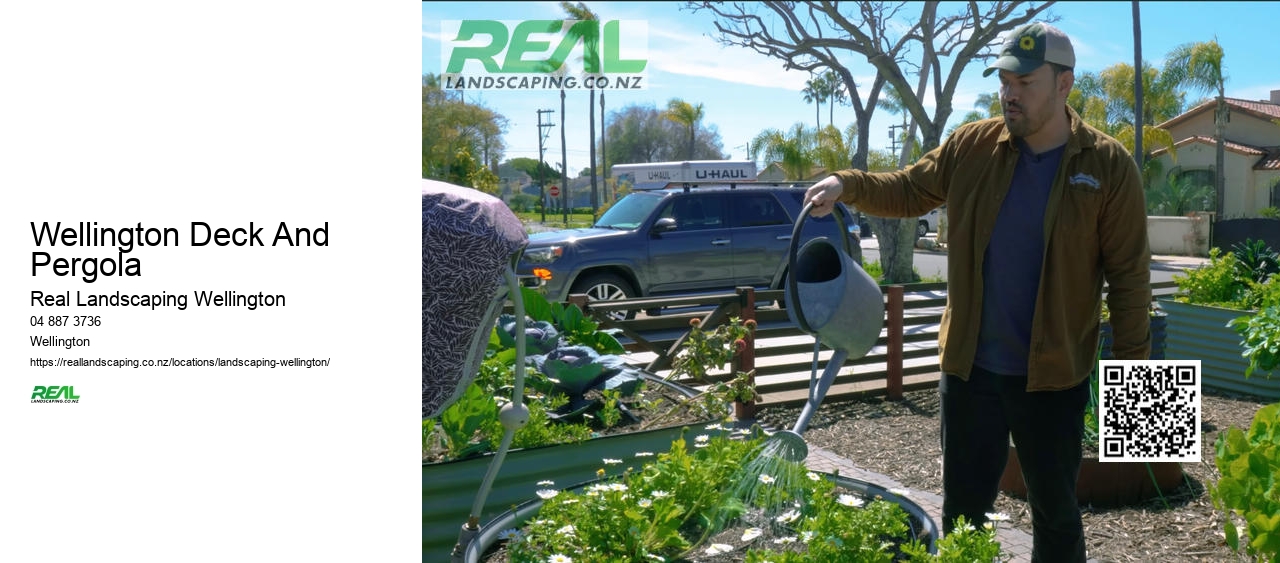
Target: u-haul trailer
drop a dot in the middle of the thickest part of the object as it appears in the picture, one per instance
(656, 175)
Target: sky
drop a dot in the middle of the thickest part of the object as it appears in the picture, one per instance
(744, 93)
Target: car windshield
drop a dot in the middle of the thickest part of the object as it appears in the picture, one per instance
(630, 211)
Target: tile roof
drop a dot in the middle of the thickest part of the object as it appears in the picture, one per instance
(1271, 161)
(1259, 109)
(1233, 147)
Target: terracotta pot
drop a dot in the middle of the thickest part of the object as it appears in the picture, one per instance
(1104, 484)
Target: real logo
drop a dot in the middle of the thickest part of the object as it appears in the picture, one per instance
(536, 54)
(65, 393)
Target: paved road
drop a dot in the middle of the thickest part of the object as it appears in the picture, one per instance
(935, 263)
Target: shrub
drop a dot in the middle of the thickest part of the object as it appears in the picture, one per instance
(1215, 283)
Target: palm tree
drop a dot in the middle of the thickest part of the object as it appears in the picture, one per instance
(1199, 66)
(793, 150)
(686, 114)
(836, 93)
(814, 92)
(1180, 195)
(590, 44)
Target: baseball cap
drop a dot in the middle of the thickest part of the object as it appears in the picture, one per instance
(1032, 45)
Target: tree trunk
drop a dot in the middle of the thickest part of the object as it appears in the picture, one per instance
(1138, 155)
(1220, 130)
(591, 126)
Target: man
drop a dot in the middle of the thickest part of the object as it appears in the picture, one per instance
(1041, 208)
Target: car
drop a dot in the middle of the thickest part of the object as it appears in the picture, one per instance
(928, 222)
(674, 241)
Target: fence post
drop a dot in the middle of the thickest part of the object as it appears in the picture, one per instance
(893, 352)
(746, 361)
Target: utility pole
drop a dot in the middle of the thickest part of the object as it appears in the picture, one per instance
(893, 137)
(542, 182)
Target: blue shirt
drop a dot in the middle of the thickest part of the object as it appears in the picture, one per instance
(1012, 262)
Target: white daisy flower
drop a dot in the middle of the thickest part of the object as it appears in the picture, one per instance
(997, 516)
(567, 530)
(850, 500)
(806, 537)
(654, 557)
(718, 548)
(512, 534)
(715, 426)
(546, 483)
(611, 461)
(767, 479)
(702, 438)
(751, 534)
(785, 540)
(812, 476)
(660, 494)
(546, 494)
(645, 503)
(558, 558)
(644, 454)
(617, 487)
(569, 501)
(788, 517)
(900, 492)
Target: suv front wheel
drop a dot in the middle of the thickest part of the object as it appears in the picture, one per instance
(922, 229)
(606, 287)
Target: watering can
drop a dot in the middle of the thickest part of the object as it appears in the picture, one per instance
(831, 297)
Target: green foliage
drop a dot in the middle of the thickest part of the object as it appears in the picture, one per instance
(1255, 260)
(964, 544)
(1250, 484)
(571, 356)
(455, 134)
(1269, 212)
(705, 350)
(1260, 339)
(666, 509)
(1215, 283)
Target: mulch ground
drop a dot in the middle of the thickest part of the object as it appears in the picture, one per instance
(901, 439)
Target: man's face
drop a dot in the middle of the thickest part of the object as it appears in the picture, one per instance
(1029, 100)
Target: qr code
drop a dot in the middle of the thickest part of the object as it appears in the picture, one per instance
(1149, 410)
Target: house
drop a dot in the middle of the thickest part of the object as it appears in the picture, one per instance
(774, 173)
(1252, 151)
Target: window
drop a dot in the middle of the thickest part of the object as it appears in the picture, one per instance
(697, 212)
(757, 210)
(1275, 192)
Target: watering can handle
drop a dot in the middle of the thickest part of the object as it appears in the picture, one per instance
(793, 295)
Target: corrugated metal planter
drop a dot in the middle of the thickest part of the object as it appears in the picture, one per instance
(1159, 333)
(449, 488)
(1199, 332)
(519, 514)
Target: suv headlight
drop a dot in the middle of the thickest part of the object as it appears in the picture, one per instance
(544, 255)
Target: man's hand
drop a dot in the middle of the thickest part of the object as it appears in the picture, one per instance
(824, 195)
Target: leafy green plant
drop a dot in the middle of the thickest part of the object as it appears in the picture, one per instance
(671, 508)
(1260, 338)
(1255, 260)
(1249, 487)
(707, 350)
(1269, 212)
(576, 386)
(1215, 283)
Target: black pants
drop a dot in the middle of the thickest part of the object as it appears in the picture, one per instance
(977, 418)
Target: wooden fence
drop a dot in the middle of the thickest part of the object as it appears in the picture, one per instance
(904, 357)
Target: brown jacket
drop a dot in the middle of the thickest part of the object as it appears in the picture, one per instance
(1095, 227)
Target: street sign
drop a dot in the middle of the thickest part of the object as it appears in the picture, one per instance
(554, 191)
